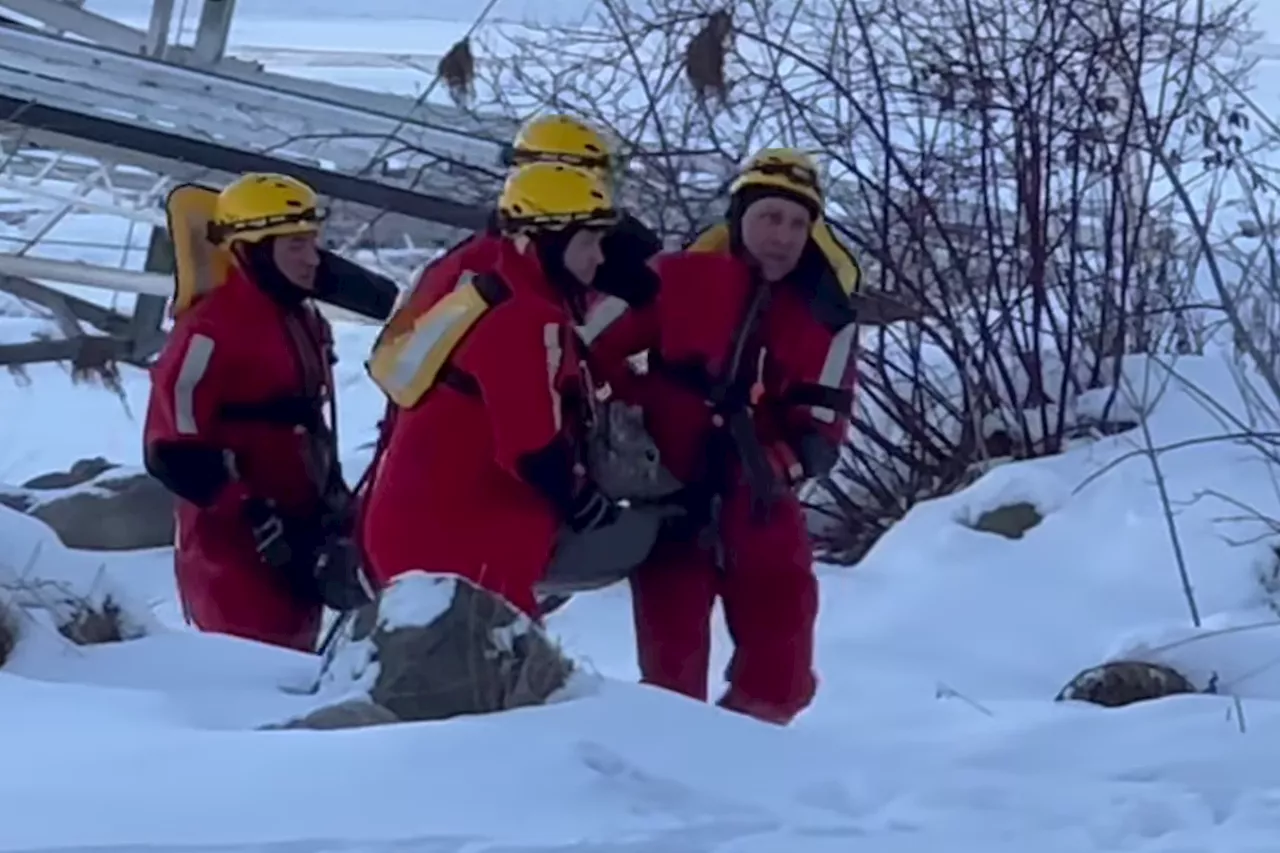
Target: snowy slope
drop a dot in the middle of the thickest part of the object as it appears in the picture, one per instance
(939, 655)
(934, 730)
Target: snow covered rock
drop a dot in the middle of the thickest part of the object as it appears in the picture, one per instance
(1123, 682)
(81, 471)
(98, 506)
(1012, 521)
(348, 714)
(437, 646)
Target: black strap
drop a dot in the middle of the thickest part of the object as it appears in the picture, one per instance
(813, 394)
(729, 396)
(690, 375)
(492, 289)
(744, 336)
(459, 380)
(294, 410)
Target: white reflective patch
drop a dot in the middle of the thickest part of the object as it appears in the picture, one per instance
(839, 353)
(422, 340)
(602, 315)
(555, 357)
(195, 364)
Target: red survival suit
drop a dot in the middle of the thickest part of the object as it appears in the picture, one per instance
(477, 253)
(452, 492)
(623, 274)
(238, 361)
(799, 364)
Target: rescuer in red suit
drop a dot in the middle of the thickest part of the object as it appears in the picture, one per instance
(748, 392)
(626, 246)
(549, 139)
(485, 462)
(236, 429)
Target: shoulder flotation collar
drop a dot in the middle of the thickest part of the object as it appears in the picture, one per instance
(200, 265)
(839, 261)
(412, 352)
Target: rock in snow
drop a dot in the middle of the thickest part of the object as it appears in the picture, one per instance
(437, 646)
(98, 506)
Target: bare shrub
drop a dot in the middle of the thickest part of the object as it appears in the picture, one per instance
(992, 163)
(88, 616)
(1226, 200)
(88, 625)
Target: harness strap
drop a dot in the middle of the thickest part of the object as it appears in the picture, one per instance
(813, 394)
(292, 410)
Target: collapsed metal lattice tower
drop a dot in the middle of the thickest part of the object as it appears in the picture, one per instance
(99, 117)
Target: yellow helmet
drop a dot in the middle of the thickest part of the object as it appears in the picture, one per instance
(554, 196)
(560, 139)
(785, 169)
(259, 205)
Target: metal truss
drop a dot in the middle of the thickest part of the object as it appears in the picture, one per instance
(40, 188)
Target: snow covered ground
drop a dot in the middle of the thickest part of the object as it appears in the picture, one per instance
(939, 655)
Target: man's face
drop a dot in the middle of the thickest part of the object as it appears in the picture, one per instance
(297, 256)
(584, 254)
(775, 231)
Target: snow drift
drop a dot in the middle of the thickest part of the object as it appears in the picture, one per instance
(934, 727)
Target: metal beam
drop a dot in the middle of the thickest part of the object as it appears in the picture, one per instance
(68, 195)
(400, 108)
(212, 31)
(88, 275)
(91, 348)
(325, 57)
(121, 281)
(181, 151)
(137, 198)
(209, 104)
(409, 111)
(64, 17)
(147, 332)
(158, 31)
(105, 319)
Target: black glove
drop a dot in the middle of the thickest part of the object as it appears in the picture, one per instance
(270, 536)
(339, 575)
(625, 272)
(592, 509)
(287, 547)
